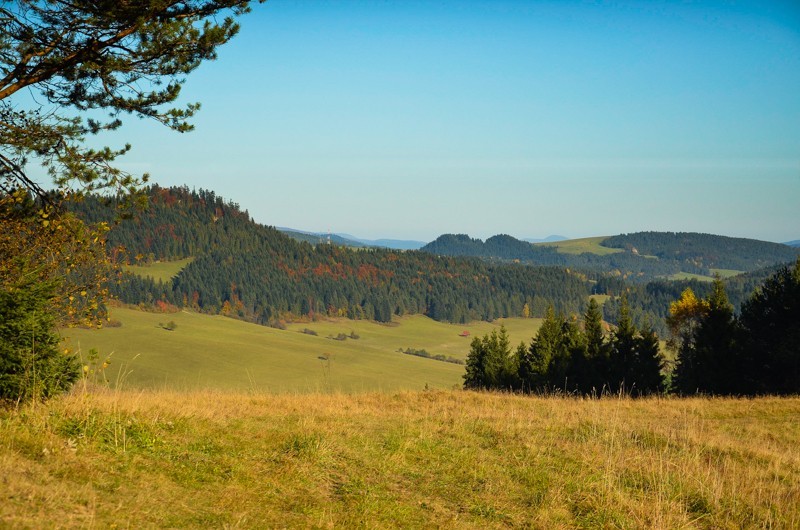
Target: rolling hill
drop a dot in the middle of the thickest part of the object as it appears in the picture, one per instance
(256, 273)
(640, 256)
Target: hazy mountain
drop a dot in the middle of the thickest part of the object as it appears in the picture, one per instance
(320, 237)
(348, 240)
(795, 243)
(548, 239)
(396, 244)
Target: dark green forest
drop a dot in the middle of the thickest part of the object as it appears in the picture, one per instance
(253, 272)
(704, 251)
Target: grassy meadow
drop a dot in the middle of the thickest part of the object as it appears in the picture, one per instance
(162, 271)
(206, 351)
(579, 246)
(435, 459)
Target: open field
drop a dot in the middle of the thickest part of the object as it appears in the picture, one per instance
(726, 273)
(690, 276)
(217, 352)
(162, 271)
(438, 459)
(579, 246)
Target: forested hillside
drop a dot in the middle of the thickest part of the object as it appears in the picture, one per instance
(256, 273)
(705, 251)
(506, 248)
(645, 256)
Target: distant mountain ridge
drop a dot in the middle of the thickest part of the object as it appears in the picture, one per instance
(641, 256)
(396, 244)
(316, 238)
(795, 243)
(348, 240)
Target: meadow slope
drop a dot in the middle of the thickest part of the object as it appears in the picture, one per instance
(205, 351)
(437, 459)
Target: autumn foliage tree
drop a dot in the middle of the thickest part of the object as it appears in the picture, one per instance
(86, 64)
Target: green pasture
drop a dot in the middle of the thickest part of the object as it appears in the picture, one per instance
(206, 351)
(690, 276)
(589, 245)
(600, 298)
(726, 273)
(162, 271)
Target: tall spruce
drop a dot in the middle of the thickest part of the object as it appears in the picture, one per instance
(770, 323)
(597, 355)
(489, 363)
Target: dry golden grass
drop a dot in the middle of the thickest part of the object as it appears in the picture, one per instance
(406, 460)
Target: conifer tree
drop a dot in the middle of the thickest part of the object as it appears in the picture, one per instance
(596, 349)
(770, 323)
(489, 363)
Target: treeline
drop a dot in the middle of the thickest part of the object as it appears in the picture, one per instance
(704, 251)
(571, 357)
(649, 303)
(717, 351)
(249, 271)
(755, 352)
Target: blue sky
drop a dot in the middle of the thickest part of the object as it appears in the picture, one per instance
(409, 119)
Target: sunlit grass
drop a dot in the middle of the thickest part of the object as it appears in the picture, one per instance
(162, 271)
(446, 459)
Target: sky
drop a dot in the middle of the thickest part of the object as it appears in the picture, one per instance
(410, 119)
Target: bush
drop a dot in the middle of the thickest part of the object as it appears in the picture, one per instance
(31, 365)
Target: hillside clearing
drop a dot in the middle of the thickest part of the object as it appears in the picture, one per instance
(159, 271)
(450, 459)
(579, 246)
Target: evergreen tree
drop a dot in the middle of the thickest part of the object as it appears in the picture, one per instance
(715, 350)
(770, 324)
(597, 354)
(534, 365)
(489, 363)
(635, 358)
(648, 377)
(31, 365)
